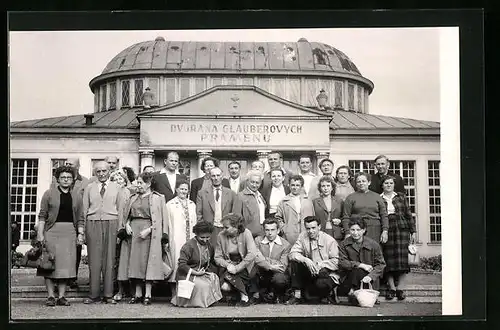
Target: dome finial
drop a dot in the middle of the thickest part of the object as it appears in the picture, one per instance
(160, 38)
(303, 40)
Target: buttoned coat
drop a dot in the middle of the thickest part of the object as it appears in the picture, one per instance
(246, 249)
(197, 185)
(291, 223)
(246, 205)
(278, 256)
(159, 221)
(161, 184)
(321, 212)
(205, 203)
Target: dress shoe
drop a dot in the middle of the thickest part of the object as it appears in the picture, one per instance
(51, 302)
(107, 300)
(400, 294)
(135, 300)
(146, 301)
(62, 301)
(390, 294)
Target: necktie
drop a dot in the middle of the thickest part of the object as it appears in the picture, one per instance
(217, 194)
(103, 189)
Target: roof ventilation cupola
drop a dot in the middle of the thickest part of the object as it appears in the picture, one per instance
(88, 119)
(160, 39)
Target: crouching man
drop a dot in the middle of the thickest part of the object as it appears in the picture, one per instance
(314, 265)
(270, 280)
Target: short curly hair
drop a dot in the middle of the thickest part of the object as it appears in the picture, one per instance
(64, 169)
(236, 221)
(206, 159)
(203, 227)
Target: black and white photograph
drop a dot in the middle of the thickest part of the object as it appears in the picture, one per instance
(234, 173)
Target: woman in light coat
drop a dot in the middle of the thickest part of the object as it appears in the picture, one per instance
(147, 223)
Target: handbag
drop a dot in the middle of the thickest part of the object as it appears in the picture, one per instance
(413, 256)
(167, 264)
(46, 260)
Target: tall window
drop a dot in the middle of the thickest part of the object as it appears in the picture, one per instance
(104, 91)
(293, 90)
(312, 90)
(125, 93)
(265, 83)
(339, 94)
(360, 99)
(199, 85)
(170, 84)
(96, 100)
(139, 90)
(184, 84)
(23, 193)
(434, 201)
(350, 94)
(279, 87)
(56, 163)
(112, 95)
(153, 86)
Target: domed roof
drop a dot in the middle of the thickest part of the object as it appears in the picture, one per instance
(180, 56)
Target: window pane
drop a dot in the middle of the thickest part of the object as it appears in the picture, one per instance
(247, 81)
(231, 81)
(199, 85)
(112, 95)
(170, 84)
(350, 93)
(360, 99)
(279, 87)
(139, 90)
(104, 91)
(264, 83)
(216, 81)
(339, 94)
(294, 90)
(312, 91)
(125, 93)
(184, 84)
(153, 86)
(96, 100)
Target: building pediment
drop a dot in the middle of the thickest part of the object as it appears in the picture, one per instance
(234, 101)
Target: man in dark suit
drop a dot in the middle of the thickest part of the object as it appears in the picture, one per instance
(207, 164)
(275, 160)
(382, 165)
(276, 192)
(236, 182)
(214, 202)
(165, 181)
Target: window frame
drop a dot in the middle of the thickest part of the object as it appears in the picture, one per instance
(432, 198)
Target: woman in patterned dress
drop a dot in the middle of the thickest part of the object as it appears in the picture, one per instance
(401, 234)
(181, 216)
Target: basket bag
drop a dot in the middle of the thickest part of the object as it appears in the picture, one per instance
(366, 297)
(413, 256)
(185, 287)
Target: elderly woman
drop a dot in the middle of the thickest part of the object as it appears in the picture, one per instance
(57, 229)
(235, 254)
(328, 208)
(147, 222)
(364, 203)
(181, 217)
(123, 240)
(361, 258)
(197, 255)
(401, 234)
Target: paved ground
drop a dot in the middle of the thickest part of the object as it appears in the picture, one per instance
(35, 309)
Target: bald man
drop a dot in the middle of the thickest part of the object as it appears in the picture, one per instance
(100, 220)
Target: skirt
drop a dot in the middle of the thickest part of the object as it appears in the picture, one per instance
(139, 250)
(123, 261)
(396, 248)
(239, 281)
(61, 241)
(373, 229)
(206, 291)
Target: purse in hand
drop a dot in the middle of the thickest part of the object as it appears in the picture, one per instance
(46, 260)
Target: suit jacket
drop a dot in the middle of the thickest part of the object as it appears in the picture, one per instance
(197, 184)
(266, 182)
(321, 213)
(266, 193)
(278, 256)
(242, 186)
(246, 205)
(161, 184)
(205, 203)
(292, 223)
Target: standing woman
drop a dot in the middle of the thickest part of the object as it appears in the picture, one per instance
(147, 223)
(181, 217)
(328, 208)
(344, 183)
(401, 234)
(123, 241)
(197, 255)
(56, 227)
(234, 254)
(366, 204)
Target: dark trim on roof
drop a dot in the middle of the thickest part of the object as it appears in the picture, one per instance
(74, 130)
(386, 132)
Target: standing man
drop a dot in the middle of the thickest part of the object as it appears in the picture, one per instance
(305, 165)
(274, 195)
(100, 219)
(314, 262)
(164, 181)
(251, 205)
(112, 162)
(326, 168)
(236, 182)
(205, 181)
(215, 202)
(79, 184)
(271, 278)
(293, 209)
(275, 160)
(382, 165)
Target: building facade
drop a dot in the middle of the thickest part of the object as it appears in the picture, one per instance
(234, 101)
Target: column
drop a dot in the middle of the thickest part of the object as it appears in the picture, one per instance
(262, 156)
(202, 154)
(146, 158)
(320, 155)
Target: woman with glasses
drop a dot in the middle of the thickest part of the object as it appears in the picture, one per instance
(57, 230)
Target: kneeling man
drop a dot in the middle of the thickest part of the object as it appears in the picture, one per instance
(271, 279)
(314, 262)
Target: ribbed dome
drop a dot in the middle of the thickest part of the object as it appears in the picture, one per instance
(180, 56)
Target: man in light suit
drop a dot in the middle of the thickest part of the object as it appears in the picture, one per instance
(100, 219)
(214, 203)
(271, 279)
(165, 181)
(236, 182)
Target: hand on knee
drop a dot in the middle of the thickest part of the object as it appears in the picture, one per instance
(225, 287)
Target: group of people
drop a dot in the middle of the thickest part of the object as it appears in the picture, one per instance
(270, 236)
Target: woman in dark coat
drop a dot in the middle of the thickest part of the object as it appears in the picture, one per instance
(328, 208)
(197, 255)
(361, 258)
(57, 228)
(401, 234)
